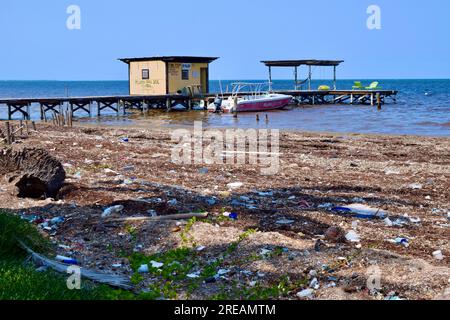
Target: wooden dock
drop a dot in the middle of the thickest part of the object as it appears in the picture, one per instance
(118, 104)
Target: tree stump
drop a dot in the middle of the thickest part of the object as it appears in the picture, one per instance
(31, 173)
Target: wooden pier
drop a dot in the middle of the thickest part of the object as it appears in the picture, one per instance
(82, 106)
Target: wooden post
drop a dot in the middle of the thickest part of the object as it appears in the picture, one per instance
(296, 78)
(309, 78)
(28, 108)
(21, 127)
(9, 112)
(378, 101)
(168, 104)
(270, 78)
(27, 128)
(371, 99)
(42, 111)
(334, 77)
(8, 133)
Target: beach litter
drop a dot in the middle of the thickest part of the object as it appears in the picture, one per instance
(172, 202)
(112, 210)
(231, 215)
(314, 284)
(285, 222)
(327, 206)
(234, 185)
(194, 275)
(400, 241)
(265, 194)
(66, 260)
(388, 222)
(307, 293)
(415, 186)
(438, 255)
(362, 211)
(156, 265)
(352, 236)
(143, 268)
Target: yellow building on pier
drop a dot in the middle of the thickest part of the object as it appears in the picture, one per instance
(168, 75)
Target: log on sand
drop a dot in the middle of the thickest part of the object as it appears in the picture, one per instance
(31, 173)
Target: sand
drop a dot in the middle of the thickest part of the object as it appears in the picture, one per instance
(402, 175)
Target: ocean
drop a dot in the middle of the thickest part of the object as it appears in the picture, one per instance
(423, 107)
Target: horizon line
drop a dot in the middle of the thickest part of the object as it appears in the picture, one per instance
(126, 80)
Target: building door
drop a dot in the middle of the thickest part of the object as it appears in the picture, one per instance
(204, 80)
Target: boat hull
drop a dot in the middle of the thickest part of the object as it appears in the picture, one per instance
(267, 104)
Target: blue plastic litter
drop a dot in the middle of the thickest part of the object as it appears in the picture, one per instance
(233, 216)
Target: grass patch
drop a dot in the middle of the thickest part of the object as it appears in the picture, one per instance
(281, 289)
(21, 281)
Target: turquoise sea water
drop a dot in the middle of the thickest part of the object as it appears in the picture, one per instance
(423, 107)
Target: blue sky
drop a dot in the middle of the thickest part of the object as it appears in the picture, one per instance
(412, 43)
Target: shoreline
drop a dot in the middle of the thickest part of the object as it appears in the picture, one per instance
(143, 125)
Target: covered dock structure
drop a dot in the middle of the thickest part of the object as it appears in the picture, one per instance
(298, 63)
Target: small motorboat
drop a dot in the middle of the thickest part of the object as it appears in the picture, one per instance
(254, 100)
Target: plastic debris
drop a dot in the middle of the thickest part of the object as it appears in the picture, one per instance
(203, 170)
(415, 186)
(352, 236)
(211, 201)
(172, 202)
(152, 213)
(112, 210)
(438, 255)
(307, 293)
(362, 211)
(327, 206)
(125, 140)
(265, 252)
(143, 268)
(401, 241)
(57, 220)
(388, 222)
(235, 185)
(66, 260)
(221, 273)
(194, 275)
(265, 194)
(156, 265)
(200, 248)
(231, 215)
(314, 284)
(285, 221)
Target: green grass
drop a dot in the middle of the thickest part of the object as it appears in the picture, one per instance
(19, 279)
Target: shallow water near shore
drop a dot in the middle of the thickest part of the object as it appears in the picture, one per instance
(423, 108)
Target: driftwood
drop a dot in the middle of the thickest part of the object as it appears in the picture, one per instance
(182, 216)
(31, 173)
(112, 280)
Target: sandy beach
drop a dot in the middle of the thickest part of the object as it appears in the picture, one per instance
(282, 234)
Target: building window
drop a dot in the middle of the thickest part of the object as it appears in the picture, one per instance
(185, 75)
(145, 74)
